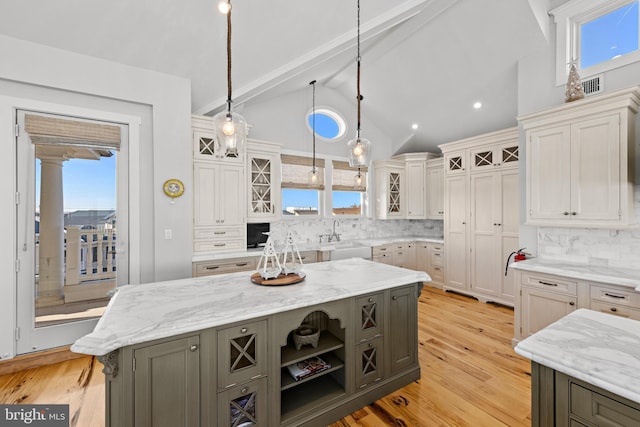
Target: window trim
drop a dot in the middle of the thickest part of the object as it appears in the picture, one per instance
(568, 18)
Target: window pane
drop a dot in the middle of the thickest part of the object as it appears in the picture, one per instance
(609, 36)
(297, 202)
(347, 203)
(325, 126)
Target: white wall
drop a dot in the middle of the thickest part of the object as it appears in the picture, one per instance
(162, 102)
(282, 119)
(537, 91)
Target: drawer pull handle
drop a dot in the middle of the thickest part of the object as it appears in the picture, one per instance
(436, 268)
(219, 232)
(243, 330)
(241, 264)
(614, 295)
(436, 254)
(572, 303)
(613, 309)
(212, 267)
(547, 283)
(565, 213)
(220, 244)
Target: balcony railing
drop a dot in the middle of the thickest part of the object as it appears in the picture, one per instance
(90, 255)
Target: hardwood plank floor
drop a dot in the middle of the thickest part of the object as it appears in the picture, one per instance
(470, 375)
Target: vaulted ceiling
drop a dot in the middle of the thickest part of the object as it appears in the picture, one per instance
(424, 61)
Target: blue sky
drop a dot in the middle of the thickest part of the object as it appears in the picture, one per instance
(87, 184)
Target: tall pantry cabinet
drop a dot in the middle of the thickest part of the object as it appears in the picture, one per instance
(481, 214)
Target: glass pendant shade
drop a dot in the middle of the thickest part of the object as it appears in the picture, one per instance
(358, 181)
(231, 132)
(313, 177)
(359, 152)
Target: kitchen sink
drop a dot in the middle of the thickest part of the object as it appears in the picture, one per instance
(345, 250)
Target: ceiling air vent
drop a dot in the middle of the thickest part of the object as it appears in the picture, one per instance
(593, 85)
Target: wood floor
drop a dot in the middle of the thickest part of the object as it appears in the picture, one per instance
(470, 375)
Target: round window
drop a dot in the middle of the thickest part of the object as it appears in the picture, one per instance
(329, 125)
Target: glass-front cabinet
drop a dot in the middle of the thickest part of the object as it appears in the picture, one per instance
(263, 172)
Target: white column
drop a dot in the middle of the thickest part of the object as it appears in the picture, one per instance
(51, 280)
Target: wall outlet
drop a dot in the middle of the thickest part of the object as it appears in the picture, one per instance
(168, 234)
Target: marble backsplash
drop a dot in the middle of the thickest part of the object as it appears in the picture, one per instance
(358, 228)
(613, 248)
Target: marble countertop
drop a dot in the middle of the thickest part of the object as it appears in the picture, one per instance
(325, 246)
(599, 348)
(140, 313)
(612, 275)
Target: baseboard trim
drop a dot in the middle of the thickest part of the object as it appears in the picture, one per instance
(37, 359)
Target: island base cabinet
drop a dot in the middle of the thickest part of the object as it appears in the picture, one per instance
(167, 384)
(403, 329)
(564, 401)
(244, 405)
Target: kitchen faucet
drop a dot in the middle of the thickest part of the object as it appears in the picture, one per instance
(333, 232)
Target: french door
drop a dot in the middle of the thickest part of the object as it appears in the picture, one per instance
(72, 224)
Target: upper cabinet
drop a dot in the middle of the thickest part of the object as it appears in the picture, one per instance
(205, 145)
(402, 187)
(580, 162)
(263, 173)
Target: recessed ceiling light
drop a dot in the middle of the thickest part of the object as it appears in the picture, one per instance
(414, 126)
(477, 105)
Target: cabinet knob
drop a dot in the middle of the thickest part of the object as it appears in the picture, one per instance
(244, 390)
(243, 330)
(193, 347)
(565, 213)
(572, 303)
(394, 297)
(574, 213)
(370, 300)
(613, 309)
(370, 344)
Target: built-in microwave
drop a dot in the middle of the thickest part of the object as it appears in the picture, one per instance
(255, 234)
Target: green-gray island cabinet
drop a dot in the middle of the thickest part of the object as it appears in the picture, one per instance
(216, 351)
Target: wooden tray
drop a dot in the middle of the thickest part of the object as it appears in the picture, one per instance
(282, 279)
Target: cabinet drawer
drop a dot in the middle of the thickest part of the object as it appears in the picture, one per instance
(437, 274)
(309, 257)
(224, 266)
(384, 258)
(600, 410)
(615, 295)
(382, 250)
(551, 283)
(400, 246)
(221, 245)
(616, 309)
(436, 257)
(369, 362)
(369, 317)
(218, 233)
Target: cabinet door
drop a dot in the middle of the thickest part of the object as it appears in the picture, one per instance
(369, 318)
(455, 163)
(435, 195)
(205, 177)
(244, 405)
(263, 171)
(167, 384)
(484, 233)
(230, 195)
(242, 353)
(455, 230)
(595, 169)
(548, 174)
(403, 324)
(416, 192)
(509, 230)
(423, 253)
(541, 308)
(369, 362)
(395, 196)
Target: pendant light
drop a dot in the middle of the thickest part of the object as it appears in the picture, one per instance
(358, 180)
(231, 127)
(313, 174)
(359, 148)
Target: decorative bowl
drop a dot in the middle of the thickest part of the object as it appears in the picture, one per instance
(306, 334)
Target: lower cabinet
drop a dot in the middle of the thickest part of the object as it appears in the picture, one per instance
(563, 401)
(167, 384)
(263, 373)
(542, 298)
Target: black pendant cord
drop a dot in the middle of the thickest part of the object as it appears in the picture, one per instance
(313, 122)
(229, 57)
(358, 76)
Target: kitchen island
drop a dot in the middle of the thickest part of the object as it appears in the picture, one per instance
(208, 351)
(585, 370)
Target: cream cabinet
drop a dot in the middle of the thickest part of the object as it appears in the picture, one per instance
(543, 298)
(219, 203)
(435, 189)
(481, 214)
(263, 187)
(416, 190)
(390, 181)
(580, 162)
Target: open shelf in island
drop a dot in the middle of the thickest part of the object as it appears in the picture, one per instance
(288, 381)
(296, 401)
(326, 343)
